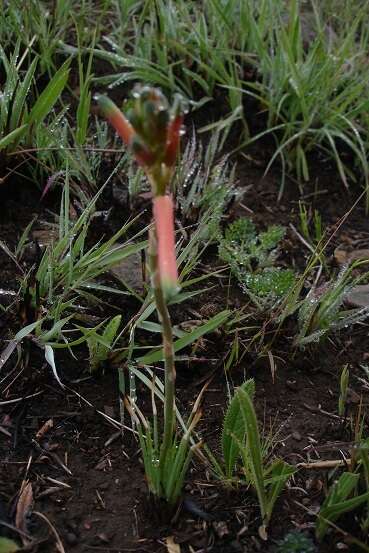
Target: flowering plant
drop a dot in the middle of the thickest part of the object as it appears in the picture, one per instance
(151, 130)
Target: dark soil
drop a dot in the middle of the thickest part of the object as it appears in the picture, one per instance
(89, 482)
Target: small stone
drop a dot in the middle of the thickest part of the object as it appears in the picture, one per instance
(297, 436)
(71, 538)
(129, 270)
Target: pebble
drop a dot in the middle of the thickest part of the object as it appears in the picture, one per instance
(297, 436)
(71, 538)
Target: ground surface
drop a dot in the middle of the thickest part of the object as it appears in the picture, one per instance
(91, 488)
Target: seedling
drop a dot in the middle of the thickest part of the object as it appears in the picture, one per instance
(100, 346)
(252, 257)
(204, 185)
(241, 442)
(315, 236)
(348, 493)
(341, 499)
(322, 310)
(344, 380)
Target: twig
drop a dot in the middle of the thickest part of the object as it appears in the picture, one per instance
(58, 482)
(9, 401)
(15, 529)
(329, 464)
(301, 238)
(6, 432)
(59, 543)
(321, 411)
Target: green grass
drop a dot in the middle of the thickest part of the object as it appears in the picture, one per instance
(304, 69)
(312, 93)
(316, 94)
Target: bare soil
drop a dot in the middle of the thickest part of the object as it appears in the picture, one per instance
(88, 480)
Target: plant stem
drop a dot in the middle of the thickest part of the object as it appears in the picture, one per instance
(167, 335)
(122, 392)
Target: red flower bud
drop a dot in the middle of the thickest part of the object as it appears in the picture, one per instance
(117, 119)
(173, 138)
(163, 210)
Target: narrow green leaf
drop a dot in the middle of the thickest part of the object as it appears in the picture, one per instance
(234, 427)
(49, 95)
(19, 106)
(336, 502)
(254, 454)
(280, 472)
(13, 136)
(189, 338)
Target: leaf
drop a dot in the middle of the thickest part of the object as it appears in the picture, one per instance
(189, 338)
(55, 330)
(253, 456)
(112, 329)
(280, 472)
(12, 136)
(25, 331)
(336, 502)
(49, 95)
(49, 357)
(24, 508)
(8, 546)
(234, 427)
(19, 105)
(172, 547)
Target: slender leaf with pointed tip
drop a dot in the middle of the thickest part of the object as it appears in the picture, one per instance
(234, 427)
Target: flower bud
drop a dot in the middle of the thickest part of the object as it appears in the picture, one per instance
(163, 211)
(116, 119)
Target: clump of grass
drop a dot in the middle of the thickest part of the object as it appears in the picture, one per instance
(20, 118)
(313, 94)
(204, 184)
(67, 273)
(322, 310)
(246, 457)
